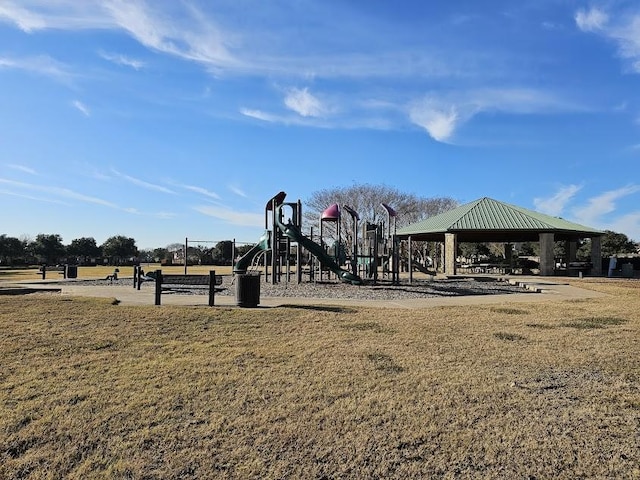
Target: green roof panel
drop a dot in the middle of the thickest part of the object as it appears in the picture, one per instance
(487, 214)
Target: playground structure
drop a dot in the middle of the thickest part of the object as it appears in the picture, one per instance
(273, 256)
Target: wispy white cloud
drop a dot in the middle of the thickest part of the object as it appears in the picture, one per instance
(198, 38)
(443, 113)
(82, 108)
(304, 103)
(591, 20)
(603, 204)
(165, 215)
(33, 15)
(123, 60)
(556, 204)
(42, 65)
(260, 115)
(212, 39)
(58, 191)
(201, 191)
(237, 190)
(231, 216)
(25, 19)
(142, 183)
(31, 197)
(439, 121)
(22, 168)
(623, 28)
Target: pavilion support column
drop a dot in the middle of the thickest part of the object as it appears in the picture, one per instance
(450, 250)
(547, 260)
(571, 250)
(596, 256)
(410, 259)
(508, 256)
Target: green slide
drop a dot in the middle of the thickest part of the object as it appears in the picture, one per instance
(316, 250)
(244, 263)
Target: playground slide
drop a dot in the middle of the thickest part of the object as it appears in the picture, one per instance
(316, 250)
(244, 263)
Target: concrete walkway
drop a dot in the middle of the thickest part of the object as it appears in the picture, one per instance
(548, 289)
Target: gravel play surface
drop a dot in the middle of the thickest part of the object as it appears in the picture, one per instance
(384, 290)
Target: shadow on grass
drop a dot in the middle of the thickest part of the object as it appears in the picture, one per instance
(510, 337)
(321, 308)
(594, 322)
(384, 363)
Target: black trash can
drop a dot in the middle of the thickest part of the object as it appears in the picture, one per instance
(72, 271)
(248, 289)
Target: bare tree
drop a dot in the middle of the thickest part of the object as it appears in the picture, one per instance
(367, 201)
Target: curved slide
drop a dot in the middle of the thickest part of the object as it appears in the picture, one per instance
(244, 263)
(317, 251)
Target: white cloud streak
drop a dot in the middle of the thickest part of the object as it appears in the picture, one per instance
(58, 191)
(603, 204)
(25, 19)
(440, 122)
(82, 108)
(142, 183)
(123, 60)
(237, 190)
(201, 191)
(31, 197)
(304, 103)
(623, 29)
(556, 204)
(260, 115)
(22, 168)
(42, 65)
(231, 216)
(591, 20)
(443, 113)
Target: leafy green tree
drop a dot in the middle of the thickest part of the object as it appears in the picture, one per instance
(11, 248)
(83, 249)
(222, 252)
(119, 248)
(614, 243)
(48, 248)
(160, 254)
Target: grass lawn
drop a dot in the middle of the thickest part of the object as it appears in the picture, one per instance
(92, 389)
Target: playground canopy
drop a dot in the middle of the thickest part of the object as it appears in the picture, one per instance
(488, 220)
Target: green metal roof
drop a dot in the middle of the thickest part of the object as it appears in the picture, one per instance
(488, 215)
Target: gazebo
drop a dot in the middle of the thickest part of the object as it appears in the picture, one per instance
(488, 220)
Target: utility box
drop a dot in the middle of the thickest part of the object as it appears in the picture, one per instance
(627, 270)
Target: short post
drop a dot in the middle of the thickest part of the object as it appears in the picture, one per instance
(135, 276)
(44, 271)
(212, 287)
(158, 286)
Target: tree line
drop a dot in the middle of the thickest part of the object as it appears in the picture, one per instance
(49, 249)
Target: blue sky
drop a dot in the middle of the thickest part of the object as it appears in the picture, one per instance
(161, 120)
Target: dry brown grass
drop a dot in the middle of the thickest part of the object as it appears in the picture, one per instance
(89, 389)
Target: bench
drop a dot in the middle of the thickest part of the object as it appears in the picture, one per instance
(62, 270)
(171, 282)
